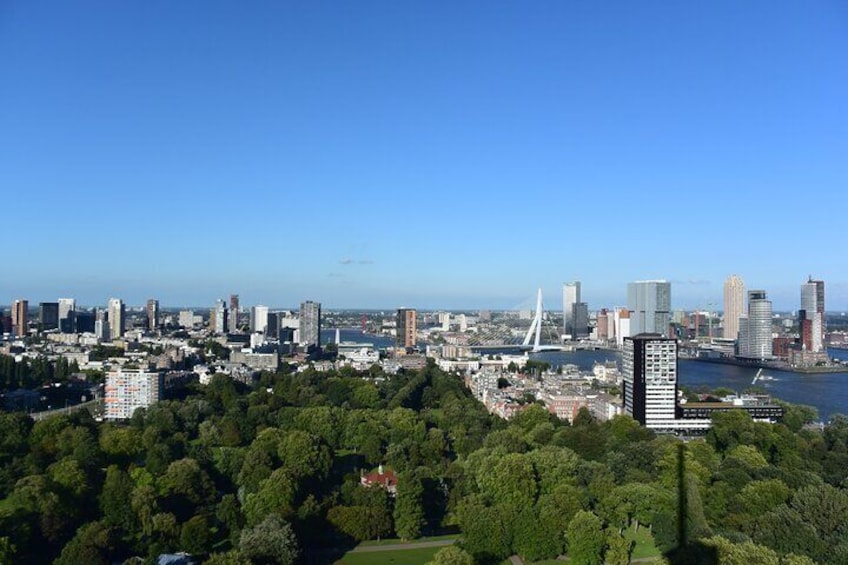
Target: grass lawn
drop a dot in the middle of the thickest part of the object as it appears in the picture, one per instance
(399, 557)
(644, 542)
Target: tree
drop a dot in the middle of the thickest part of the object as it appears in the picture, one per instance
(195, 536)
(92, 544)
(409, 506)
(618, 549)
(117, 491)
(586, 539)
(272, 541)
(276, 495)
(451, 555)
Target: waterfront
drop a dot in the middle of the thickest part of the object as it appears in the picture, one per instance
(827, 392)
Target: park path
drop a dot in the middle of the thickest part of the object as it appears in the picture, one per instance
(402, 546)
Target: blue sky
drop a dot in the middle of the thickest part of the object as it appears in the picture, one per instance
(439, 154)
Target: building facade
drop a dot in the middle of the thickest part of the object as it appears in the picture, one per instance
(116, 313)
(218, 317)
(48, 316)
(152, 314)
(755, 341)
(649, 383)
(310, 323)
(67, 315)
(259, 319)
(406, 328)
(570, 297)
(734, 306)
(128, 389)
(649, 303)
(20, 317)
(811, 317)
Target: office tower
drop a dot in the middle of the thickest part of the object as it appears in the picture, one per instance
(20, 317)
(755, 329)
(811, 315)
(406, 328)
(234, 313)
(579, 320)
(310, 323)
(605, 325)
(101, 325)
(258, 319)
(67, 315)
(218, 317)
(128, 389)
(272, 330)
(734, 306)
(117, 316)
(152, 314)
(84, 322)
(570, 297)
(463, 323)
(48, 316)
(650, 306)
(649, 384)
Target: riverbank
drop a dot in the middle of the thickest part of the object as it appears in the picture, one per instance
(773, 365)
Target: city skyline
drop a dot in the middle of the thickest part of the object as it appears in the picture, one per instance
(667, 123)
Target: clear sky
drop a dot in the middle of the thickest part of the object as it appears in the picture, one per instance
(430, 154)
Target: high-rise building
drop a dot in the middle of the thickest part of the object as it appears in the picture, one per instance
(570, 297)
(234, 313)
(310, 323)
(152, 314)
(579, 320)
(406, 328)
(649, 383)
(218, 317)
(755, 329)
(811, 316)
(117, 317)
(67, 315)
(621, 319)
(128, 389)
(48, 316)
(650, 306)
(734, 306)
(20, 317)
(258, 319)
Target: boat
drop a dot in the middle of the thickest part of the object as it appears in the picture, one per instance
(761, 377)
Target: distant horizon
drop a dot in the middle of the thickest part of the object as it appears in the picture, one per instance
(441, 155)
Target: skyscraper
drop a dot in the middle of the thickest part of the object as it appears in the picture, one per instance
(310, 323)
(152, 314)
(117, 315)
(218, 317)
(20, 317)
(48, 316)
(406, 328)
(649, 303)
(234, 313)
(649, 384)
(579, 320)
(258, 319)
(755, 329)
(734, 306)
(811, 315)
(67, 315)
(570, 297)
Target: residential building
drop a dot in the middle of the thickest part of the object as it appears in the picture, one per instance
(734, 306)
(152, 314)
(650, 306)
(621, 319)
(128, 389)
(755, 339)
(406, 321)
(20, 317)
(233, 325)
(811, 317)
(649, 383)
(310, 323)
(116, 316)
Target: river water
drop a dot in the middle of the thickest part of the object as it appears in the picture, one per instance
(827, 392)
